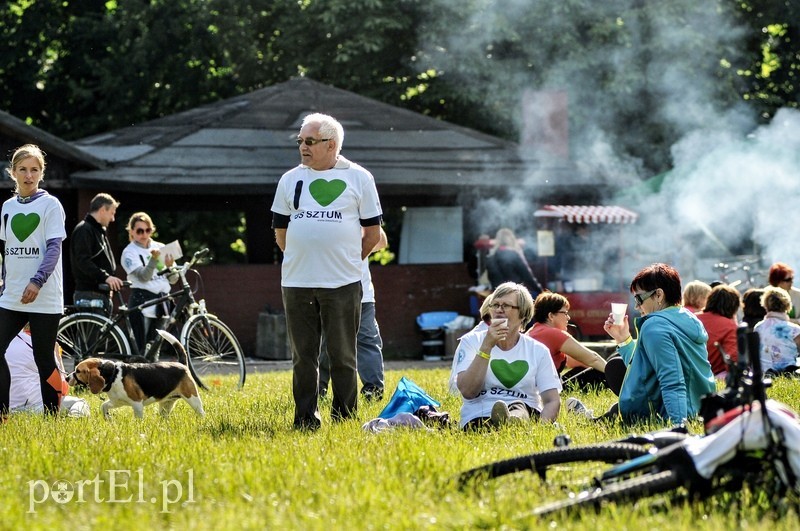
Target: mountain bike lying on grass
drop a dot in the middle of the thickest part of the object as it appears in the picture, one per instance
(215, 357)
(741, 446)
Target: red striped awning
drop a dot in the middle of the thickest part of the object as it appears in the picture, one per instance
(588, 213)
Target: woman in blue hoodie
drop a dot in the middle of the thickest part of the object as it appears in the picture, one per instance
(667, 366)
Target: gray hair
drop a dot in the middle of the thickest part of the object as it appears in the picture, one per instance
(524, 299)
(329, 127)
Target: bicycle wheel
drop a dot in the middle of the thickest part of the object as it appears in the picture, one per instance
(627, 490)
(539, 461)
(215, 357)
(89, 335)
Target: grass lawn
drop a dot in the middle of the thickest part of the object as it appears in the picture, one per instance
(243, 467)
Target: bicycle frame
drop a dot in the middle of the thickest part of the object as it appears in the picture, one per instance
(184, 303)
(748, 440)
(184, 299)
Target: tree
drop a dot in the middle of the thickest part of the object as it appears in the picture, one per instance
(639, 73)
(773, 48)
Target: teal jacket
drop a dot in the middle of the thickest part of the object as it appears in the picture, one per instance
(668, 369)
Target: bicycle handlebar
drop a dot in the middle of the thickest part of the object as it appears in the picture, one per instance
(186, 265)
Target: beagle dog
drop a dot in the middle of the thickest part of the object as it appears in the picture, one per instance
(139, 384)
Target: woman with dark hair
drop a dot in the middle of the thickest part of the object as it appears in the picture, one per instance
(719, 320)
(551, 317)
(667, 366)
(752, 311)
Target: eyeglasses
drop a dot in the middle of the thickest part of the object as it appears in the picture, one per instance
(790, 279)
(565, 312)
(503, 306)
(641, 297)
(141, 231)
(310, 141)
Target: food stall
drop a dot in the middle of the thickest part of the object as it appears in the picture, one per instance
(582, 257)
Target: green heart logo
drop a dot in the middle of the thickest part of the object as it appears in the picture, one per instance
(23, 225)
(325, 192)
(509, 374)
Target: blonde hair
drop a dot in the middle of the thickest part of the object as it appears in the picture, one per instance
(505, 237)
(695, 294)
(25, 152)
(137, 217)
(776, 299)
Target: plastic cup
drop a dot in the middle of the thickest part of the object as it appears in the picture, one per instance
(500, 321)
(618, 310)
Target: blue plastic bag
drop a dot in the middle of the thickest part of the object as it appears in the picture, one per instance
(407, 398)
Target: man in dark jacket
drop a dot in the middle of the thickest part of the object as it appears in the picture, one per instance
(91, 256)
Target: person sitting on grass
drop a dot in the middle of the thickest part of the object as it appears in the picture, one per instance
(719, 320)
(26, 386)
(502, 374)
(779, 337)
(695, 295)
(667, 367)
(752, 311)
(551, 317)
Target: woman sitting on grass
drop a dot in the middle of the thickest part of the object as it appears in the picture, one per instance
(719, 320)
(667, 367)
(551, 317)
(779, 337)
(502, 374)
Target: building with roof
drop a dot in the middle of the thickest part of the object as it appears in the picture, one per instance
(230, 155)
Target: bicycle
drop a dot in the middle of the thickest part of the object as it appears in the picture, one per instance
(743, 267)
(741, 445)
(213, 351)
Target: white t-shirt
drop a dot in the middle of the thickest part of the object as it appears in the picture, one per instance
(521, 373)
(367, 288)
(323, 239)
(25, 394)
(135, 256)
(25, 228)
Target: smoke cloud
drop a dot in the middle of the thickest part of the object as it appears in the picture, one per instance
(635, 72)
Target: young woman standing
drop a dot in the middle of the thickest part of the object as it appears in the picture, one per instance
(32, 229)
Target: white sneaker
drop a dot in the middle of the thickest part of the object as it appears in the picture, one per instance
(576, 406)
(500, 414)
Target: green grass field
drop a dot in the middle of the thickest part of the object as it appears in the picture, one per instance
(243, 467)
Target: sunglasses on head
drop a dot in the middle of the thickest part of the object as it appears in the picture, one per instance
(141, 231)
(310, 141)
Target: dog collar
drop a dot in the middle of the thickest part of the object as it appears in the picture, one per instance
(111, 379)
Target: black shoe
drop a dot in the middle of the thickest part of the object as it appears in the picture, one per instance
(370, 393)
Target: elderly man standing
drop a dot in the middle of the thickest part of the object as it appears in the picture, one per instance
(326, 216)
